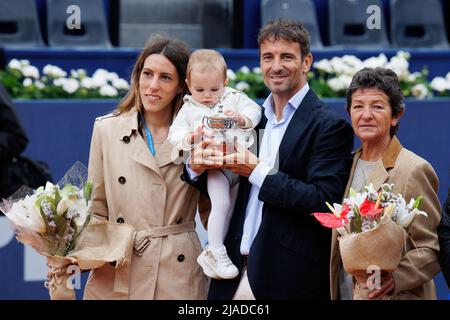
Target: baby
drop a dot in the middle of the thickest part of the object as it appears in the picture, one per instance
(207, 80)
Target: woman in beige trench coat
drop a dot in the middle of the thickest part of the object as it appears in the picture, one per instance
(135, 187)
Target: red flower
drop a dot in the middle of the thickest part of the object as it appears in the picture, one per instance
(344, 212)
(333, 220)
(328, 220)
(369, 209)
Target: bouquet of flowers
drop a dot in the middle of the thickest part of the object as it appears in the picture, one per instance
(54, 221)
(372, 227)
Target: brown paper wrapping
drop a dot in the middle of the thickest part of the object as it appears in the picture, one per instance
(101, 242)
(381, 247)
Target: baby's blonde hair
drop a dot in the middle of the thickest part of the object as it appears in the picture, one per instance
(206, 59)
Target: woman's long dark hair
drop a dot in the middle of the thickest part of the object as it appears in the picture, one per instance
(177, 52)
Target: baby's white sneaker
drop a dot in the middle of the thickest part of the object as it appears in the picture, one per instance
(216, 264)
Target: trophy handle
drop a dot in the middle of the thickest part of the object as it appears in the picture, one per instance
(205, 121)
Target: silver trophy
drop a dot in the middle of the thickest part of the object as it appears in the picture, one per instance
(219, 124)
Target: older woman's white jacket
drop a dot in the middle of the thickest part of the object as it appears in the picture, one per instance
(192, 113)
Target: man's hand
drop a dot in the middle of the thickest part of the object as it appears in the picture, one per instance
(206, 156)
(241, 162)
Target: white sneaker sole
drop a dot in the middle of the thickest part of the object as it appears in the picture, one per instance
(209, 271)
(206, 269)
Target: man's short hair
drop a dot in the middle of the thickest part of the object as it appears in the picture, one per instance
(289, 30)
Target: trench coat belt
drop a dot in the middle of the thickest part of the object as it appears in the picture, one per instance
(140, 243)
(142, 238)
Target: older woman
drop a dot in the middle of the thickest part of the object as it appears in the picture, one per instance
(137, 182)
(375, 105)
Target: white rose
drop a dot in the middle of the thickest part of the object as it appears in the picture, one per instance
(100, 73)
(59, 82)
(31, 72)
(74, 73)
(419, 91)
(448, 77)
(120, 84)
(242, 86)
(340, 83)
(81, 73)
(47, 69)
(375, 62)
(352, 61)
(403, 54)
(244, 69)
(100, 78)
(439, 84)
(400, 66)
(111, 76)
(24, 62)
(323, 65)
(256, 70)
(54, 71)
(340, 67)
(413, 76)
(71, 85)
(87, 83)
(39, 85)
(108, 91)
(231, 75)
(27, 82)
(15, 64)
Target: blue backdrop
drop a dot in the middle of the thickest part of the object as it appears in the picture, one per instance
(60, 133)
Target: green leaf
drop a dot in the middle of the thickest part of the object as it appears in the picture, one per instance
(356, 222)
(418, 202)
(87, 190)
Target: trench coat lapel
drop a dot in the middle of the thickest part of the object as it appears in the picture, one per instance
(380, 173)
(139, 151)
(378, 176)
(166, 154)
(141, 154)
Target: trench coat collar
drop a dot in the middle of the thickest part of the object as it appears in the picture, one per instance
(379, 174)
(129, 127)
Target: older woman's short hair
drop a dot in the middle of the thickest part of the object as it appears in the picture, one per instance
(384, 80)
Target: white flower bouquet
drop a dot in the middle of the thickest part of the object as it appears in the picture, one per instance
(372, 227)
(55, 221)
(52, 218)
